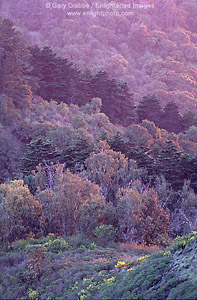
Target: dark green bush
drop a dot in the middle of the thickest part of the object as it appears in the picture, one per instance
(79, 241)
(105, 234)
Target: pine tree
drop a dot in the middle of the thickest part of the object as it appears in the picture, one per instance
(171, 118)
(143, 160)
(58, 79)
(189, 167)
(14, 63)
(117, 102)
(38, 151)
(140, 154)
(117, 143)
(84, 95)
(189, 119)
(149, 109)
(75, 155)
(168, 164)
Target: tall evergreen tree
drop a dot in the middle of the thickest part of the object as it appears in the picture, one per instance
(140, 154)
(117, 143)
(189, 167)
(38, 151)
(58, 78)
(14, 63)
(171, 118)
(189, 119)
(168, 164)
(84, 94)
(75, 155)
(117, 102)
(143, 159)
(149, 109)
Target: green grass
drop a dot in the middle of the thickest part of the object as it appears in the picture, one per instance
(77, 268)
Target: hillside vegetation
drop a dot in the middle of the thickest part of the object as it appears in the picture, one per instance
(75, 268)
(98, 153)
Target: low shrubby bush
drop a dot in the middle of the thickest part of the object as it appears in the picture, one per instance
(105, 234)
(57, 245)
(79, 241)
(183, 241)
(75, 268)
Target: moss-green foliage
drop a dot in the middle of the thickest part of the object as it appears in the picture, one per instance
(105, 234)
(76, 268)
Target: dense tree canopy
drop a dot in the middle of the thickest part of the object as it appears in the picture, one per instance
(88, 153)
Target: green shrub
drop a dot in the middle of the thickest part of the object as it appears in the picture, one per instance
(105, 234)
(183, 241)
(24, 245)
(79, 241)
(20, 245)
(92, 246)
(57, 245)
(33, 295)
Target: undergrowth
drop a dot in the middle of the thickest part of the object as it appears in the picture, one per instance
(77, 268)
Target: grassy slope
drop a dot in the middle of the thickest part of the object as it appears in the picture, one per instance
(78, 269)
(166, 275)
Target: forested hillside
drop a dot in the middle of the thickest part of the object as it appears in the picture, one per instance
(153, 49)
(92, 164)
(118, 159)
